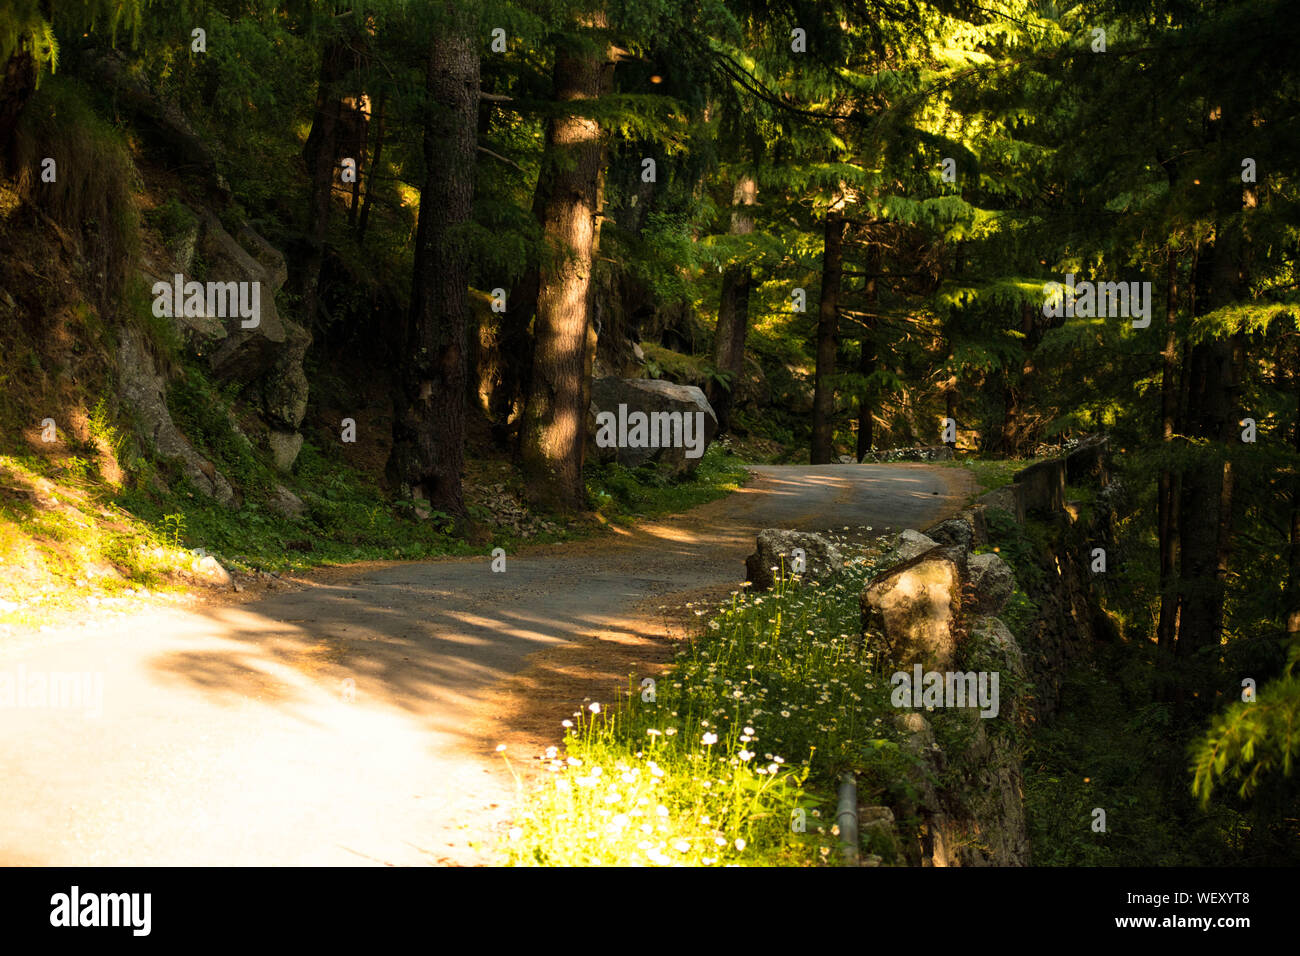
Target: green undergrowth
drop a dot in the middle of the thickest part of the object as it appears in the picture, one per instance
(737, 750)
(346, 518)
(343, 520)
(1111, 748)
(991, 473)
(622, 494)
(1021, 546)
(63, 539)
(74, 533)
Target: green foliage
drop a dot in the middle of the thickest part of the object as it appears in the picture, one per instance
(136, 308)
(991, 474)
(103, 431)
(174, 528)
(172, 219)
(24, 27)
(203, 414)
(1109, 750)
(1252, 740)
(93, 193)
(1023, 547)
(622, 494)
(754, 721)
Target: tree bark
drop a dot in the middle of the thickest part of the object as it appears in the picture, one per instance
(321, 155)
(1201, 596)
(553, 426)
(828, 328)
(17, 84)
(1206, 504)
(950, 408)
(1293, 582)
(733, 311)
(867, 355)
(1170, 484)
(362, 120)
(364, 219)
(429, 427)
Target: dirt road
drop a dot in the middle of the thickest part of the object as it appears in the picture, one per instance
(354, 721)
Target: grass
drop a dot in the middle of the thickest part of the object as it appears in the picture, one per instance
(62, 540)
(92, 191)
(741, 740)
(80, 523)
(991, 474)
(346, 518)
(621, 494)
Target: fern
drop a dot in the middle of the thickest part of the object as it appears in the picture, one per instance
(1251, 741)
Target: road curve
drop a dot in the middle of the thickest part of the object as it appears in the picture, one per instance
(334, 725)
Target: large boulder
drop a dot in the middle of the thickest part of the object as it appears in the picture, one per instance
(636, 421)
(908, 544)
(991, 583)
(776, 548)
(992, 642)
(1007, 498)
(965, 529)
(246, 354)
(285, 503)
(209, 570)
(978, 818)
(266, 358)
(921, 800)
(284, 447)
(142, 389)
(915, 607)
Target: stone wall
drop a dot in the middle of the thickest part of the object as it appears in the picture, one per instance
(945, 605)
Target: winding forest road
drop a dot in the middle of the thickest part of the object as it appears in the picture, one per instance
(354, 721)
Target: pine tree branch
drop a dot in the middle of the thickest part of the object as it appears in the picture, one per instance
(508, 162)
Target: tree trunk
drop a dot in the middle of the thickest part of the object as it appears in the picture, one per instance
(1170, 485)
(733, 311)
(429, 428)
(374, 169)
(321, 154)
(515, 340)
(950, 409)
(362, 122)
(553, 428)
(866, 413)
(516, 348)
(828, 328)
(867, 355)
(17, 84)
(1293, 582)
(1206, 507)
(1201, 596)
